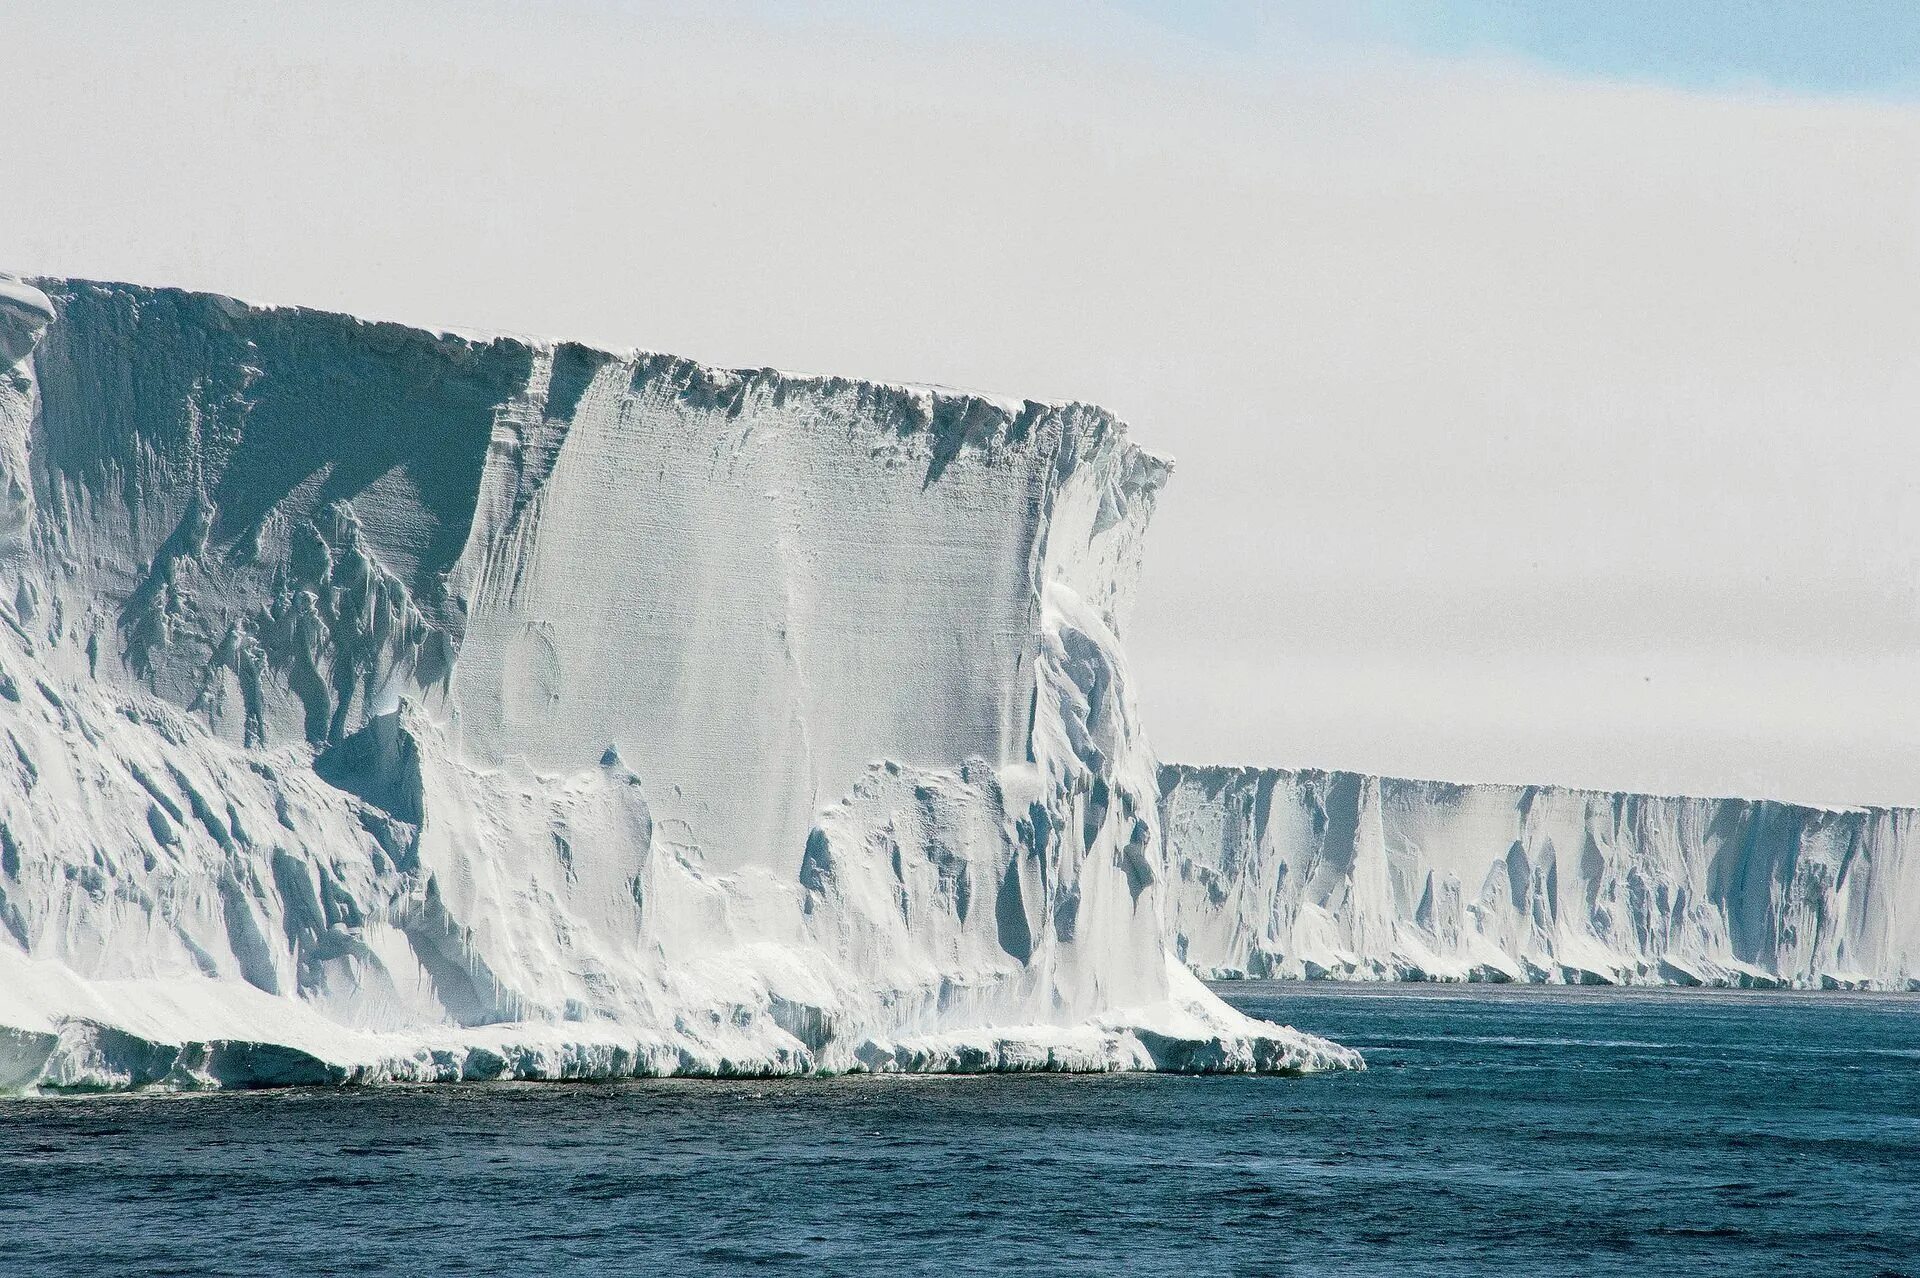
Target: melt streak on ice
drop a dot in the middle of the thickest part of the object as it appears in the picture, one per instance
(387, 705)
(1339, 874)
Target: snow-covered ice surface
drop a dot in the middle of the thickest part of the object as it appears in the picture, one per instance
(389, 705)
(1339, 874)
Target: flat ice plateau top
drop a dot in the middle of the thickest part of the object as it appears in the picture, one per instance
(1339, 874)
(388, 705)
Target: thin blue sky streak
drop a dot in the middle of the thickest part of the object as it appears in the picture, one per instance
(1853, 47)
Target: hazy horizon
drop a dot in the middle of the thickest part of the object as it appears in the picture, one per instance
(1534, 420)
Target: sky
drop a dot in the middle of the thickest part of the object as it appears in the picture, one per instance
(1812, 46)
(1541, 378)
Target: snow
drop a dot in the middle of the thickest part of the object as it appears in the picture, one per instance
(1340, 874)
(391, 705)
(25, 313)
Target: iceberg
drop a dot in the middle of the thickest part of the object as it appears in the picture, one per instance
(383, 704)
(1279, 873)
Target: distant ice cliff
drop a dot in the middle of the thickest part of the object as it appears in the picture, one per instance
(1338, 874)
(382, 704)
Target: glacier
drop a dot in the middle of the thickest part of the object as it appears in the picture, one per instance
(1328, 874)
(391, 705)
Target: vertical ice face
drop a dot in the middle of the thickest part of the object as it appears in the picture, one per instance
(382, 703)
(752, 587)
(1312, 873)
(25, 313)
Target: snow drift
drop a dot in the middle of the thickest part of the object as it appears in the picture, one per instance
(384, 704)
(1338, 874)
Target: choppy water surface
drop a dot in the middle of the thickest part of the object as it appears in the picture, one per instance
(1500, 1131)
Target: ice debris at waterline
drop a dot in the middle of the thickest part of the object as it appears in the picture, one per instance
(383, 704)
(1338, 874)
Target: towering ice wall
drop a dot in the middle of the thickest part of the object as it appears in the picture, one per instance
(1278, 873)
(388, 704)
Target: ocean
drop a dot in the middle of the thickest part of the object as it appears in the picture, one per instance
(1499, 1130)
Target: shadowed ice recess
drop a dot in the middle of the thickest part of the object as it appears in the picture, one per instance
(390, 705)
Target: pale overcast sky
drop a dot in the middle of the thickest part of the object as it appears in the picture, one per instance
(1542, 378)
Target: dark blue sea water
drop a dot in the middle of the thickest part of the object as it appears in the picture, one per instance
(1500, 1131)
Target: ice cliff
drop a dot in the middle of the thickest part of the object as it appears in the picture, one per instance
(383, 704)
(1283, 873)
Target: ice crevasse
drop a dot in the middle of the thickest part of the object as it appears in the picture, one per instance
(381, 704)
